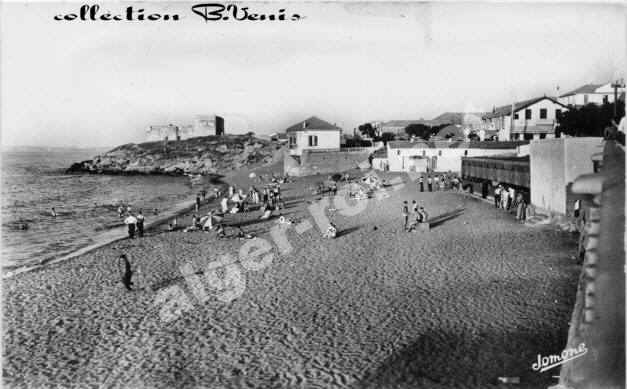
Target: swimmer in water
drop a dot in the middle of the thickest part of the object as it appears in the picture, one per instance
(53, 212)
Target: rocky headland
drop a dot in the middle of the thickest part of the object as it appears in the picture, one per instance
(201, 155)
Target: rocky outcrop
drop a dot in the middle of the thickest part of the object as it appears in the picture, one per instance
(202, 155)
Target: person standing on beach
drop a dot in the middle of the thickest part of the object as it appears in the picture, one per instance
(128, 273)
(422, 185)
(430, 183)
(197, 203)
(120, 212)
(131, 222)
(497, 196)
(414, 207)
(140, 224)
(405, 212)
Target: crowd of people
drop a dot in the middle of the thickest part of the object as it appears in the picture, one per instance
(510, 200)
(235, 200)
(412, 218)
(438, 182)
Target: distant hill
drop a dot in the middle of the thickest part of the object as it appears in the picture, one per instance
(201, 155)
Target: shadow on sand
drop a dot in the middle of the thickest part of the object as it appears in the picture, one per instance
(440, 219)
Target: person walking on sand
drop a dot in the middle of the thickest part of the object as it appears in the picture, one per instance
(140, 224)
(127, 274)
(405, 213)
(120, 212)
(422, 184)
(430, 183)
(131, 222)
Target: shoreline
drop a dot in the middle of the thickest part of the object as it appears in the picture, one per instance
(113, 235)
(117, 234)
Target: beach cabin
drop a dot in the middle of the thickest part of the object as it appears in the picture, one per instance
(533, 119)
(313, 134)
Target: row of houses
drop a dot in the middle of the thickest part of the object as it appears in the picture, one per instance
(535, 118)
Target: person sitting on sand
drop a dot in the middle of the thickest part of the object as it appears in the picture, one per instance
(331, 232)
(131, 222)
(221, 231)
(423, 215)
(267, 211)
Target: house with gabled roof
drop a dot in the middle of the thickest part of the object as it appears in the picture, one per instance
(535, 118)
(590, 93)
(313, 134)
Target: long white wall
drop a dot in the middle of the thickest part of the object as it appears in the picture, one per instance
(446, 159)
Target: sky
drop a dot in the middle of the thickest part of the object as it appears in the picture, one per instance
(97, 83)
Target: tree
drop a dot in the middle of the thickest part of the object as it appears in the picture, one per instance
(423, 131)
(387, 136)
(367, 130)
(589, 120)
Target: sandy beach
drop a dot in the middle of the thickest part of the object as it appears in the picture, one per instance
(474, 299)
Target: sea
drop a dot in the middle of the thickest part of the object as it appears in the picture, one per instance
(34, 182)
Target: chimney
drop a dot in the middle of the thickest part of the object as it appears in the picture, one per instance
(304, 124)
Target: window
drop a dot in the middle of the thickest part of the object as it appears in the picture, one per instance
(515, 116)
(439, 153)
(465, 152)
(585, 99)
(424, 153)
(542, 136)
(313, 140)
(606, 99)
(292, 141)
(398, 152)
(527, 114)
(542, 113)
(558, 113)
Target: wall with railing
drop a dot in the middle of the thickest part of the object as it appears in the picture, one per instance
(598, 319)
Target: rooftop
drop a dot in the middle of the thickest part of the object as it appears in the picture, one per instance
(506, 110)
(313, 123)
(588, 88)
(455, 145)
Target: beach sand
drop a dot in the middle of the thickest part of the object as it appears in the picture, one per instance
(477, 297)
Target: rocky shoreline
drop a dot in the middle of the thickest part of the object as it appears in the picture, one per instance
(210, 155)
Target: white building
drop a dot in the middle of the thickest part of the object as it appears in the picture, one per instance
(533, 119)
(313, 134)
(441, 156)
(554, 166)
(591, 93)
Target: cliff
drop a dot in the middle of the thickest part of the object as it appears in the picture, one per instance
(201, 155)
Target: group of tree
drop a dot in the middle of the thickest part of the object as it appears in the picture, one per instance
(590, 120)
(423, 131)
